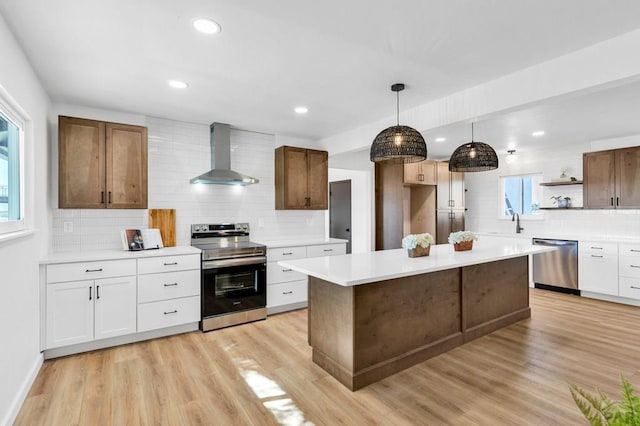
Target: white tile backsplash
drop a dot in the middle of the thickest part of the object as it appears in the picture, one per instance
(179, 151)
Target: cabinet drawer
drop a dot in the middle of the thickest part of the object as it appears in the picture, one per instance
(630, 287)
(168, 263)
(170, 285)
(596, 247)
(286, 293)
(286, 253)
(326, 250)
(279, 274)
(630, 250)
(168, 313)
(629, 266)
(90, 270)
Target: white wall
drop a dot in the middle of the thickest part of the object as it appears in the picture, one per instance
(179, 151)
(483, 195)
(20, 356)
(362, 209)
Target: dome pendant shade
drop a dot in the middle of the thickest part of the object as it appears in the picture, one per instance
(473, 157)
(402, 143)
(398, 143)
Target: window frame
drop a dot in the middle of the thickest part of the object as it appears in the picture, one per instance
(10, 109)
(500, 212)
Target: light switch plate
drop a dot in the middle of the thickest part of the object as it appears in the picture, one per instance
(67, 226)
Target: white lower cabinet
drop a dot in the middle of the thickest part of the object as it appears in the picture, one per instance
(598, 267)
(287, 289)
(168, 291)
(86, 310)
(90, 301)
(629, 269)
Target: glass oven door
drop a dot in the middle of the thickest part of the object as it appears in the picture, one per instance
(232, 285)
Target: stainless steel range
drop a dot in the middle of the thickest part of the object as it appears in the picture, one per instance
(234, 275)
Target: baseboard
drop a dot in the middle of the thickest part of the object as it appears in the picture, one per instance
(285, 308)
(22, 393)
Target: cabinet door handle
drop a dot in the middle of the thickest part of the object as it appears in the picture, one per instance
(617, 201)
(109, 197)
(101, 197)
(634, 287)
(287, 270)
(327, 250)
(611, 200)
(597, 248)
(287, 292)
(171, 285)
(593, 255)
(287, 254)
(97, 292)
(90, 291)
(93, 270)
(171, 312)
(634, 250)
(170, 263)
(635, 266)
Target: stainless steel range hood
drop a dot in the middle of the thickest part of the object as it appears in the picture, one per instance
(221, 173)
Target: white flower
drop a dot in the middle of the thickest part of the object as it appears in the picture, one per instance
(460, 236)
(412, 241)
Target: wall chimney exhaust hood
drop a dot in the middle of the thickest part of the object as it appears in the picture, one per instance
(221, 173)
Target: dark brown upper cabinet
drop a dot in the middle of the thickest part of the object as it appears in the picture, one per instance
(101, 165)
(301, 178)
(612, 179)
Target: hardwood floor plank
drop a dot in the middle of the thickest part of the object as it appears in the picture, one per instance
(262, 374)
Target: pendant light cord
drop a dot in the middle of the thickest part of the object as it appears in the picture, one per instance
(398, 108)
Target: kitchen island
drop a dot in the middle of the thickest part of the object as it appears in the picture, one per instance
(374, 314)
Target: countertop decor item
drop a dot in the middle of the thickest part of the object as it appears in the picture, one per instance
(402, 143)
(473, 157)
(462, 240)
(562, 202)
(165, 221)
(417, 245)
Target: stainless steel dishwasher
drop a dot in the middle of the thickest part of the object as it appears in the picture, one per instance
(556, 270)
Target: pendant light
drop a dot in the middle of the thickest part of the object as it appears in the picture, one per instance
(473, 157)
(398, 143)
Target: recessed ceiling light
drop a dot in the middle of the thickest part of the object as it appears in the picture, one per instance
(206, 26)
(440, 139)
(538, 133)
(177, 84)
(301, 110)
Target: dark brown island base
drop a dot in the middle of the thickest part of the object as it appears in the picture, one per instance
(363, 328)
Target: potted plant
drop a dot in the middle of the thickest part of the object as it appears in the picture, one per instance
(417, 245)
(462, 240)
(562, 202)
(600, 409)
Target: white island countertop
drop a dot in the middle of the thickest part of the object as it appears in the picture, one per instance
(362, 268)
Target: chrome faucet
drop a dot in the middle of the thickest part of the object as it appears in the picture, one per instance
(516, 217)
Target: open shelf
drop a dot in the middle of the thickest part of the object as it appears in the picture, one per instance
(561, 208)
(568, 182)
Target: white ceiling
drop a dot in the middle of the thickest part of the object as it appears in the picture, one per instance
(336, 57)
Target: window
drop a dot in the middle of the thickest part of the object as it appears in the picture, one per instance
(11, 165)
(520, 194)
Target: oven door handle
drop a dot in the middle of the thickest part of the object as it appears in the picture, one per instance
(226, 263)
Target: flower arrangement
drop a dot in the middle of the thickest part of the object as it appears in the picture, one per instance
(418, 245)
(412, 241)
(460, 236)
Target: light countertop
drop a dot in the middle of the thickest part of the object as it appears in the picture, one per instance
(362, 268)
(98, 255)
(300, 242)
(562, 236)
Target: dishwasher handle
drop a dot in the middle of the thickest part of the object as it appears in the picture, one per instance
(554, 243)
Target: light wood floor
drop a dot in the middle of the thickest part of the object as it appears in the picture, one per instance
(262, 374)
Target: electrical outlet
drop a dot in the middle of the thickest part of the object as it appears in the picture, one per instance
(67, 226)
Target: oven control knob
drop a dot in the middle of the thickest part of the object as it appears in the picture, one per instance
(196, 228)
(204, 227)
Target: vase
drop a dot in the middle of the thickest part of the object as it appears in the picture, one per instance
(419, 251)
(463, 246)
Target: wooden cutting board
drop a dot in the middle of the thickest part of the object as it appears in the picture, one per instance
(165, 221)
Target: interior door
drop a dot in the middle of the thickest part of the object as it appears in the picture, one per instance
(340, 211)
